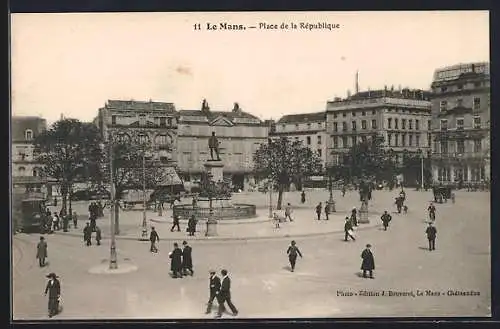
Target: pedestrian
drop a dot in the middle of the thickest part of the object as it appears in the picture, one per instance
(432, 212)
(55, 222)
(354, 216)
(452, 196)
(368, 264)
(319, 207)
(87, 234)
(41, 251)
(98, 236)
(348, 229)
(100, 209)
(176, 223)
(225, 295)
(176, 261)
(327, 210)
(65, 220)
(153, 237)
(288, 212)
(343, 190)
(292, 252)
(303, 197)
(399, 203)
(93, 223)
(276, 220)
(431, 232)
(214, 288)
(194, 201)
(54, 289)
(191, 225)
(75, 219)
(187, 259)
(386, 218)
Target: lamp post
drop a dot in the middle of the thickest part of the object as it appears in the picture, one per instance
(270, 181)
(113, 264)
(421, 168)
(144, 233)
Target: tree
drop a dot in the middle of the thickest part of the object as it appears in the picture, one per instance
(282, 160)
(65, 150)
(131, 163)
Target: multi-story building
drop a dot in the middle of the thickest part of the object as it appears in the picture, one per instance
(239, 133)
(310, 128)
(26, 171)
(153, 123)
(402, 117)
(461, 123)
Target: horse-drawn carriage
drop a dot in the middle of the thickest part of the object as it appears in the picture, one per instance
(441, 193)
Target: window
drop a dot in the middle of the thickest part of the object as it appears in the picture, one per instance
(142, 138)
(354, 140)
(429, 139)
(477, 84)
(344, 115)
(460, 102)
(417, 140)
(374, 124)
(444, 124)
(344, 126)
(170, 122)
(36, 172)
(460, 146)
(335, 127)
(363, 139)
(410, 140)
(477, 122)
(283, 127)
(353, 114)
(319, 140)
(353, 125)
(444, 147)
(162, 140)
(403, 140)
(443, 106)
(320, 125)
(410, 124)
(22, 171)
(319, 152)
(308, 126)
(396, 140)
(389, 139)
(335, 115)
(429, 125)
(22, 155)
(113, 119)
(344, 142)
(373, 111)
(296, 138)
(403, 124)
(396, 121)
(477, 103)
(335, 142)
(297, 126)
(477, 145)
(443, 89)
(142, 119)
(389, 123)
(163, 122)
(363, 124)
(460, 123)
(308, 139)
(460, 87)
(363, 113)
(28, 134)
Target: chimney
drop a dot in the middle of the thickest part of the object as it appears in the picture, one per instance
(356, 89)
(204, 106)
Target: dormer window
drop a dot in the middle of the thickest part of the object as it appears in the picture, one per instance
(28, 134)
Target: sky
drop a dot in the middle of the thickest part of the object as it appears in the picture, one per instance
(72, 64)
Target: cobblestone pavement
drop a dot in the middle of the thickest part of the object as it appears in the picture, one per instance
(263, 286)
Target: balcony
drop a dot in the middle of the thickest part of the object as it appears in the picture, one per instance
(457, 156)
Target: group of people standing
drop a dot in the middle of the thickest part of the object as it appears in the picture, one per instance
(181, 260)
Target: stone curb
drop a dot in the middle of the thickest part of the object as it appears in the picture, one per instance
(242, 238)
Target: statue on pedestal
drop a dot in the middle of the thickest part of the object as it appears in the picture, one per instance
(213, 145)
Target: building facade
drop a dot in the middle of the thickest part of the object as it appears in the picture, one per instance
(461, 123)
(402, 117)
(239, 133)
(26, 171)
(309, 128)
(154, 124)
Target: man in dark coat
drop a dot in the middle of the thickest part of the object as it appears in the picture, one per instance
(327, 210)
(41, 251)
(98, 235)
(386, 218)
(225, 295)
(187, 260)
(292, 252)
(354, 216)
(176, 223)
(432, 211)
(54, 289)
(87, 234)
(319, 208)
(191, 225)
(153, 237)
(176, 261)
(75, 219)
(368, 264)
(348, 229)
(431, 236)
(303, 197)
(214, 288)
(399, 204)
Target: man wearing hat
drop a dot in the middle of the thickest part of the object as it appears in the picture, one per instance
(368, 264)
(431, 232)
(354, 216)
(214, 288)
(348, 229)
(187, 260)
(41, 251)
(176, 261)
(153, 237)
(54, 289)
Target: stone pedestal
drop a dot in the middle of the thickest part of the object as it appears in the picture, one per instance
(331, 205)
(211, 227)
(363, 213)
(216, 169)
